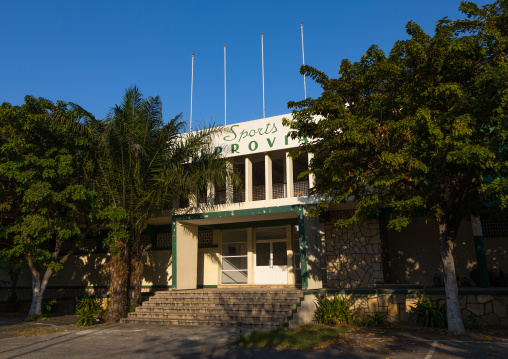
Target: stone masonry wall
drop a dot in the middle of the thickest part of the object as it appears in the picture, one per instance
(488, 309)
(353, 255)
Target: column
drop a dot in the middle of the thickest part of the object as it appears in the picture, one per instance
(229, 184)
(210, 194)
(312, 176)
(248, 179)
(251, 251)
(479, 246)
(268, 177)
(185, 256)
(289, 176)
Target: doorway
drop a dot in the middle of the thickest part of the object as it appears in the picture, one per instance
(271, 262)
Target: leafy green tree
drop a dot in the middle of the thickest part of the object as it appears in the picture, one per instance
(422, 131)
(45, 205)
(143, 166)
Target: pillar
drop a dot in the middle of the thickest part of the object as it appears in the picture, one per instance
(289, 176)
(479, 246)
(268, 177)
(248, 179)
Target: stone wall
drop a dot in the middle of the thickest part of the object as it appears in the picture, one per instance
(488, 309)
(353, 255)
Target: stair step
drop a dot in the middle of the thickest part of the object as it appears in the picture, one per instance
(201, 322)
(257, 308)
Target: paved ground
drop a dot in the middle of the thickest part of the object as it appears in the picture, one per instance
(158, 341)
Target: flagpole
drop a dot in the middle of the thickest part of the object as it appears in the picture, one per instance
(225, 85)
(191, 91)
(303, 58)
(263, 73)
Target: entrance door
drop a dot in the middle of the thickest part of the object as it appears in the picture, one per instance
(271, 262)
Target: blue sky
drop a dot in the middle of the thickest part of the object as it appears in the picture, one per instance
(89, 52)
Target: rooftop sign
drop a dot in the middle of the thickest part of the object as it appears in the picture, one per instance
(258, 136)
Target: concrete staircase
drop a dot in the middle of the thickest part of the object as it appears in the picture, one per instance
(268, 308)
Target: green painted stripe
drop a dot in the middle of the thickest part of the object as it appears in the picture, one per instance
(303, 251)
(501, 291)
(270, 223)
(241, 212)
(173, 254)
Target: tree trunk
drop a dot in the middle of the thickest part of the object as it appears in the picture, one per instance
(38, 288)
(455, 324)
(119, 270)
(36, 307)
(136, 277)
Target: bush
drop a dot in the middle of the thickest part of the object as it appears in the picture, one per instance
(429, 313)
(335, 311)
(89, 311)
(376, 320)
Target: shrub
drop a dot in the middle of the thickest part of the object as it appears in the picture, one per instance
(89, 311)
(335, 311)
(376, 320)
(429, 313)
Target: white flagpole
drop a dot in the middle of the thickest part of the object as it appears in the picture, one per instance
(191, 90)
(303, 58)
(263, 73)
(225, 85)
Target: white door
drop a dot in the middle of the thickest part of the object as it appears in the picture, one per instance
(271, 262)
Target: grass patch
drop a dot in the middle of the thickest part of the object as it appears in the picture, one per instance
(33, 332)
(307, 337)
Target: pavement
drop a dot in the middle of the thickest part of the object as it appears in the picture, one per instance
(163, 341)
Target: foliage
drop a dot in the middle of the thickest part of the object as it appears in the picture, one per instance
(376, 320)
(88, 310)
(421, 132)
(45, 202)
(47, 305)
(143, 165)
(307, 337)
(429, 313)
(335, 311)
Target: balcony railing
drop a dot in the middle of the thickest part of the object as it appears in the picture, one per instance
(279, 190)
(258, 193)
(301, 188)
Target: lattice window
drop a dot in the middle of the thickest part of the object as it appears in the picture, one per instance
(258, 193)
(146, 239)
(205, 237)
(239, 195)
(220, 196)
(279, 190)
(89, 245)
(301, 188)
(492, 228)
(164, 241)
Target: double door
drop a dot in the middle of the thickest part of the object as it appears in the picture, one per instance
(271, 262)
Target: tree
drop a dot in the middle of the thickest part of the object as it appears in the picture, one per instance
(422, 131)
(45, 205)
(144, 165)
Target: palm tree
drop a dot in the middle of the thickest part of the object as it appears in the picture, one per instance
(144, 165)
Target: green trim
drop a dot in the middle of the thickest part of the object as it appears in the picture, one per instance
(293, 312)
(225, 214)
(205, 286)
(173, 254)
(405, 291)
(483, 270)
(303, 251)
(209, 246)
(241, 212)
(270, 223)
